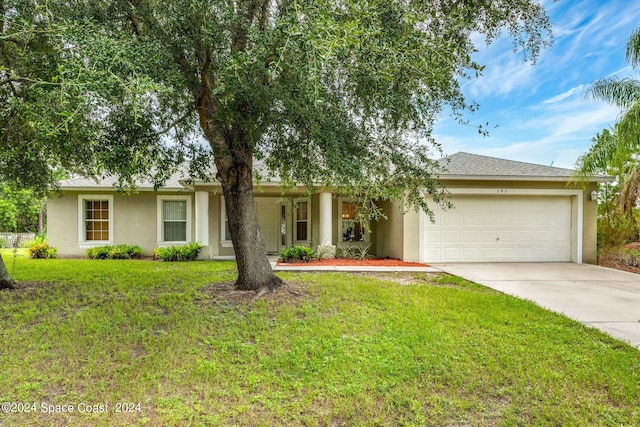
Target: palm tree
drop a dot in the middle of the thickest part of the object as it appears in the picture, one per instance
(617, 151)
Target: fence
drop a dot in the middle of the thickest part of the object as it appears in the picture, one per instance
(15, 240)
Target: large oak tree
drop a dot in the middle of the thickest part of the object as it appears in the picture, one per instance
(341, 94)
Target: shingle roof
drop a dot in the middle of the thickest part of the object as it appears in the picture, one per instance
(460, 165)
(173, 183)
(473, 166)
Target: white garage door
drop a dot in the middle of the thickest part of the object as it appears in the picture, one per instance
(500, 229)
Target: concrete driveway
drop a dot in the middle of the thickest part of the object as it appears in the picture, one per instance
(600, 297)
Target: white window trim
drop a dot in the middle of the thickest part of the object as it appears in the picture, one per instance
(160, 221)
(83, 243)
(223, 219)
(294, 227)
(339, 239)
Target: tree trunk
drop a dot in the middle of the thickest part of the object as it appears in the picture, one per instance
(254, 269)
(233, 156)
(6, 282)
(40, 226)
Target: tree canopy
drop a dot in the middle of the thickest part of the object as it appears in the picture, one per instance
(20, 210)
(341, 94)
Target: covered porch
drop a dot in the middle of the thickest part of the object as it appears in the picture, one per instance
(323, 221)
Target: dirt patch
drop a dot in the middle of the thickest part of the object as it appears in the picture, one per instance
(27, 287)
(614, 260)
(402, 278)
(634, 246)
(226, 294)
(348, 262)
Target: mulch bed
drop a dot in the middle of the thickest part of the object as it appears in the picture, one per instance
(347, 262)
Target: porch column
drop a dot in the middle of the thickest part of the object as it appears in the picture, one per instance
(325, 231)
(202, 217)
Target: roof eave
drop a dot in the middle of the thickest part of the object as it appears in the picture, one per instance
(113, 189)
(528, 178)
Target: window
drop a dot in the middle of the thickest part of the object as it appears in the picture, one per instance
(352, 231)
(95, 220)
(174, 219)
(302, 221)
(283, 225)
(225, 233)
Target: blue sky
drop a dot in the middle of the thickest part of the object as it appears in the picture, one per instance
(538, 112)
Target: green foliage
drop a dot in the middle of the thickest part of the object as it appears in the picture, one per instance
(19, 209)
(349, 85)
(42, 250)
(616, 151)
(99, 252)
(38, 239)
(178, 253)
(356, 251)
(8, 214)
(115, 252)
(338, 94)
(614, 231)
(615, 227)
(631, 256)
(3, 243)
(297, 253)
(324, 252)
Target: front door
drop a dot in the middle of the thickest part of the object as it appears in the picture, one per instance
(269, 220)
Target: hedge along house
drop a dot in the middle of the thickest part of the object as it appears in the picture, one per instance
(505, 211)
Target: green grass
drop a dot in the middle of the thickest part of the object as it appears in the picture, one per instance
(331, 349)
(9, 252)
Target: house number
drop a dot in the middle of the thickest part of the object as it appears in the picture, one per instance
(502, 191)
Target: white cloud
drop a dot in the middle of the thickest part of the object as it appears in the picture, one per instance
(565, 95)
(502, 78)
(555, 133)
(542, 113)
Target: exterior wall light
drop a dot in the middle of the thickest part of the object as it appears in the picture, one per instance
(594, 195)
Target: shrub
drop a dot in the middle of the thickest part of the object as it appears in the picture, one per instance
(115, 252)
(178, 253)
(614, 227)
(358, 252)
(126, 252)
(99, 252)
(297, 253)
(631, 257)
(3, 243)
(42, 250)
(37, 240)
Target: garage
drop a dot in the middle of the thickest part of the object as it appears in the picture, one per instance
(501, 228)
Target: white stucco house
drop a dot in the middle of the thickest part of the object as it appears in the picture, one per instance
(505, 211)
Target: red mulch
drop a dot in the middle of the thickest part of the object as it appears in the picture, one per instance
(377, 262)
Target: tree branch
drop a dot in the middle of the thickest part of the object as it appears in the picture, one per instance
(14, 41)
(9, 81)
(262, 22)
(205, 90)
(239, 43)
(173, 124)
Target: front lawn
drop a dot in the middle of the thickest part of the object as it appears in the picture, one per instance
(178, 347)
